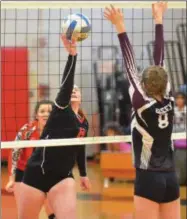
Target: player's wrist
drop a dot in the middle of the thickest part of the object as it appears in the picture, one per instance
(158, 20)
(12, 178)
(83, 177)
(73, 53)
(120, 27)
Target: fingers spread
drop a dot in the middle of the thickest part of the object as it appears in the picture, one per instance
(107, 16)
(108, 10)
(119, 11)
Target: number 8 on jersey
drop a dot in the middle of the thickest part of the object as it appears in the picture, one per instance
(163, 121)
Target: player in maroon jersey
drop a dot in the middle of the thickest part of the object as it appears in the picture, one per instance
(156, 193)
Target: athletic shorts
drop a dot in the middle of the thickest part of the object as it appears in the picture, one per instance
(34, 177)
(160, 187)
(19, 175)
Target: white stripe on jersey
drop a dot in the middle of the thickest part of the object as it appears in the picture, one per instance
(63, 82)
(131, 65)
(131, 61)
(133, 124)
(168, 89)
(144, 107)
(147, 142)
(60, 107)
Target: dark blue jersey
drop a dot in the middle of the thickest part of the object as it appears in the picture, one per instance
(152, 120)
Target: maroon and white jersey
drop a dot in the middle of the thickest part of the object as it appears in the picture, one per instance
(152, 121)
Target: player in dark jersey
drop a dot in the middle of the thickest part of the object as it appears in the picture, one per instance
(156, 193)
(49, 170)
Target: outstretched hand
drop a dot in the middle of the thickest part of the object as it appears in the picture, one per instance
(70, 46)
(158, 10)
(115, 16)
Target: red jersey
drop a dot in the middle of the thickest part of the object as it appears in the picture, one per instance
(20, 156)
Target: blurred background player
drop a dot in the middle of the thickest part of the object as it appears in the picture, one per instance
(180, 144)
(156, 193)
(30, 131)
(180, 113)
(113, 129)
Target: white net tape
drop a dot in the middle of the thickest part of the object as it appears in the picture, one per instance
(75, 141)
(85, 4)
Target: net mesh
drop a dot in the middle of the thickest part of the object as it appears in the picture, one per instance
(33, 59)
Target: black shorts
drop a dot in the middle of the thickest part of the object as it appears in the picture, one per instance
(160, 187)
(34, 177)
(19, 175)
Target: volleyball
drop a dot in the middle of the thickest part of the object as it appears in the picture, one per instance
(76, 26)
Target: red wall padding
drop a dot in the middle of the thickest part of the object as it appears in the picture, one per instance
(14, 93)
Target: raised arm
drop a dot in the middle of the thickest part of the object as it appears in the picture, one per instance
(129, 59)
(158, 53)
(115, 16)
(158, 10)
(64, 95)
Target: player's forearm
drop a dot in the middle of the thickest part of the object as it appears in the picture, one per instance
(13, 171)
(15, 157)
(81, 161)
(64, 95)
(82, 172)
(69, 68)
(159, 45)
(128, 57)
(12, 177)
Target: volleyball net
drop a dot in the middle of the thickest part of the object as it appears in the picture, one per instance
(33, 59)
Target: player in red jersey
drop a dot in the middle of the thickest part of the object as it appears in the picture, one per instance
(20, 156)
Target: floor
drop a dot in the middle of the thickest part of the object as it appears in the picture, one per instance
(115, 202)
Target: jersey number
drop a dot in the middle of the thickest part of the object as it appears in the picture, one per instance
(81, 133)
(163, 121)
